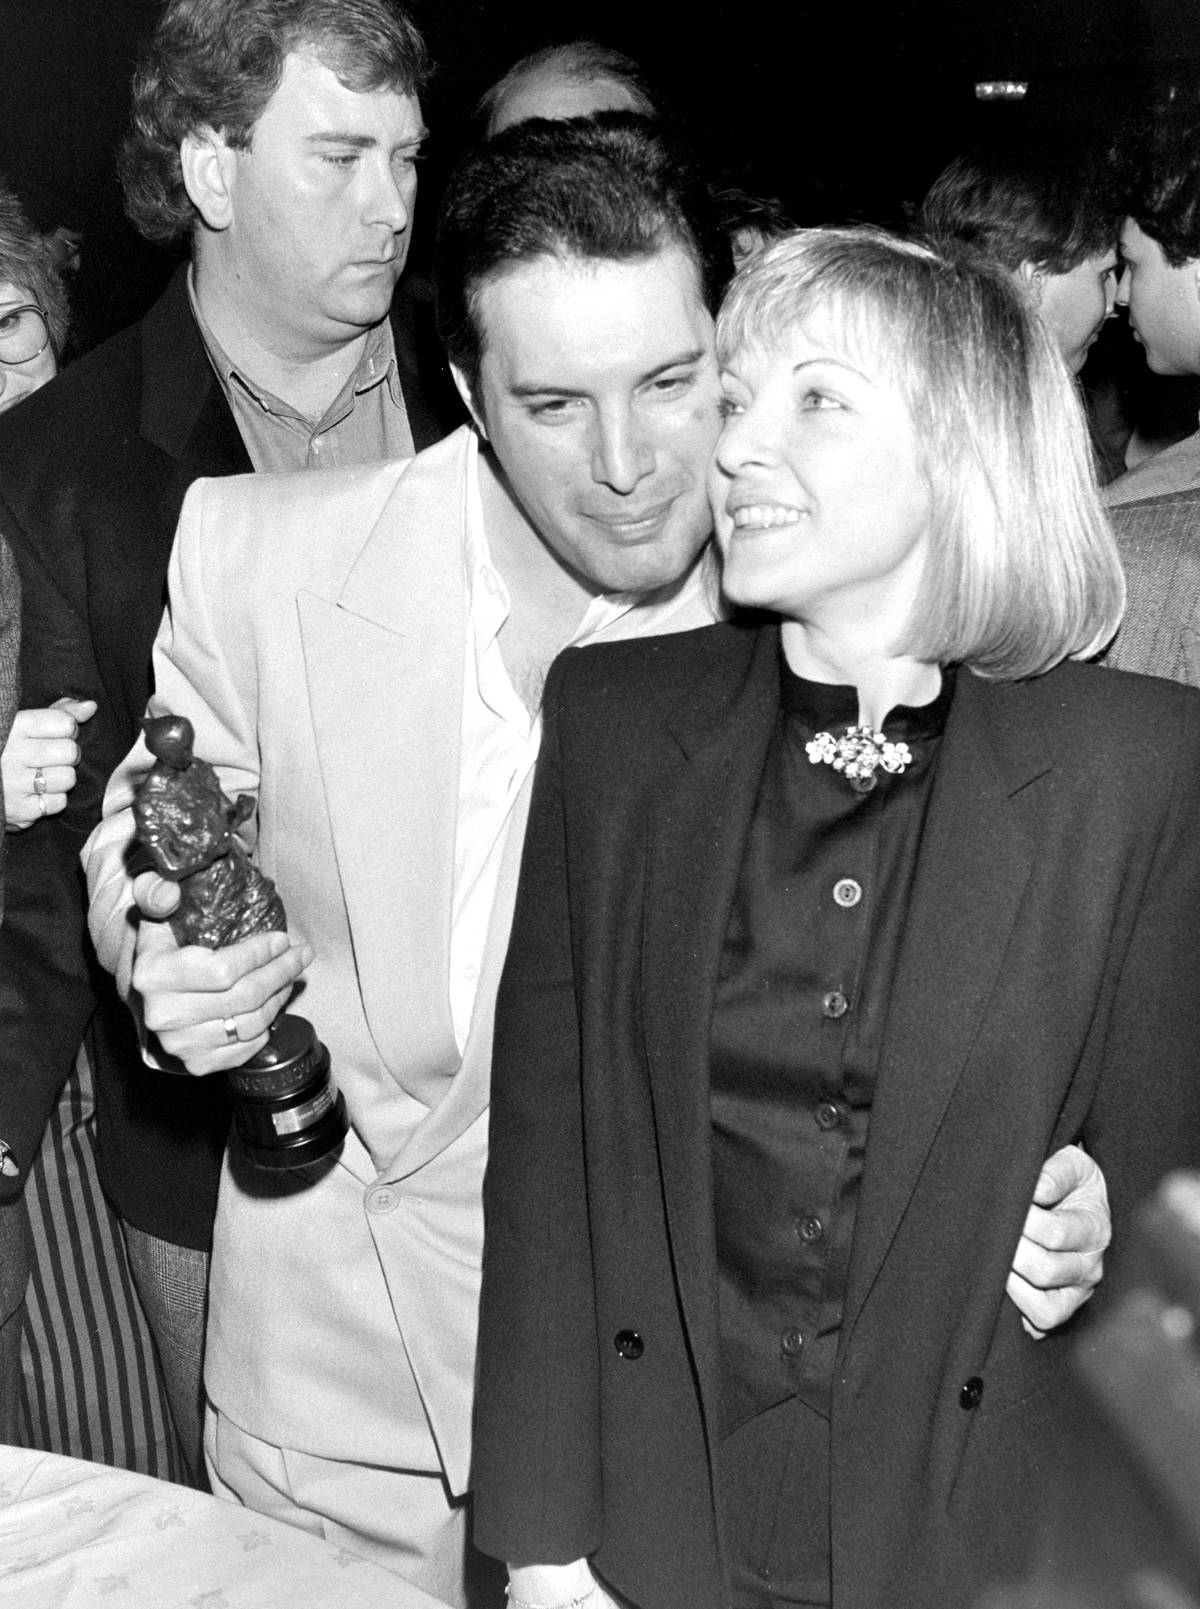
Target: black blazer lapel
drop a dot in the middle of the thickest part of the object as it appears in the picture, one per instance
(431, 398)
(212, 447)
(695, 853)
(975, 861)
(185, 431)
(183, 410)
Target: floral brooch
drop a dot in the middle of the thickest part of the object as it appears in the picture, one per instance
(859, 753)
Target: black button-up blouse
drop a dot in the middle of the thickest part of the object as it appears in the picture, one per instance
(810, 951)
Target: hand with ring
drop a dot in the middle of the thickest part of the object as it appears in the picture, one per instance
(210, 1009)
(39, 760)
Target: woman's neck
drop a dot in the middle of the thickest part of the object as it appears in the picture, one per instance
(883, 680)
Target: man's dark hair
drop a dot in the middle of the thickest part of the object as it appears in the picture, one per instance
(1159, 156)
(216, 64)
(1051, 203)
(611, 188)
(581, 59)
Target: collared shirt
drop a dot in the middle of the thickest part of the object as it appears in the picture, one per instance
(365, 423)
(500, 737)
(811, 946)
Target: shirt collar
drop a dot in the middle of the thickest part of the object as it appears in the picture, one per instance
(376, 362)
(824, 706)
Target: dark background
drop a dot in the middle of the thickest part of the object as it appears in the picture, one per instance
(840, 112)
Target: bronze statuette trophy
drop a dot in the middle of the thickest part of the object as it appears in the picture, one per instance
(287, 1110)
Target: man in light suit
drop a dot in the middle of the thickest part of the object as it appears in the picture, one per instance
(364, 654)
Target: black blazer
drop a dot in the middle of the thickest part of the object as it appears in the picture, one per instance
(93, 470)
(1048, 990)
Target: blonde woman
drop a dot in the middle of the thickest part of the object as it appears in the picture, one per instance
(835, 920)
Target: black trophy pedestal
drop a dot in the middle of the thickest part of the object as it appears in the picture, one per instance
(287, 1111)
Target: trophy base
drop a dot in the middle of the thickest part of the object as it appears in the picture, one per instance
(287, 1111)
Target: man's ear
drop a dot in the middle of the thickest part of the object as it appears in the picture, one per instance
(208, 166)
(468, 397)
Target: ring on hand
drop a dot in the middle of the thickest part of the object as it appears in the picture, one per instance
(41, 799)
(231, 1034)
(39, 782)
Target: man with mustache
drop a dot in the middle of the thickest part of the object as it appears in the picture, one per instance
(374, 679)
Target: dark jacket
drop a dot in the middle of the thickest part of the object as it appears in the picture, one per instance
(93, 470)
(1048, 990)
(10, 655)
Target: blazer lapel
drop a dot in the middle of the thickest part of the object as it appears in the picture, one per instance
(384, 669)
(183, 411)
(431, 400)
(212, 447)
(976, 857)
(695, 855)
(468, 1095)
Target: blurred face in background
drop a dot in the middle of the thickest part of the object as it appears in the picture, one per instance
(25, 348)
(1076, 304)
(1163, 303)
(548, 92)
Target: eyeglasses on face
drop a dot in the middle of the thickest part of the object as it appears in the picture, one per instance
(24, 334)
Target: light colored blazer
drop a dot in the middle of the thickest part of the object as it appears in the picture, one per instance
(1155, 510)
(1159, 542)
(315, 638)
(1175, 469)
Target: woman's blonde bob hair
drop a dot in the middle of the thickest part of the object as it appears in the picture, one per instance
(1023, 570)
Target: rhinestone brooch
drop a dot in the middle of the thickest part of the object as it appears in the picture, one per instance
(859, 753)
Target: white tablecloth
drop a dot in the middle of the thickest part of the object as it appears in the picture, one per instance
(75, 1535)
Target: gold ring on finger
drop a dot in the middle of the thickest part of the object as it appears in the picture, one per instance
(231, 1034)
(39, 781)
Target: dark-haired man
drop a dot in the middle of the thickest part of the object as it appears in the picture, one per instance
(1156, 505)
(377, 673)
(281, 138)
(1046, 213)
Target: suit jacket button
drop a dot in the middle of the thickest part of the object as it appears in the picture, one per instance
(629, 1344)
(972, 1393)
